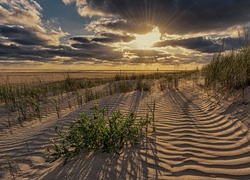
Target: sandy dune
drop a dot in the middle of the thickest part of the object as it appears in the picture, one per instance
(196, 138)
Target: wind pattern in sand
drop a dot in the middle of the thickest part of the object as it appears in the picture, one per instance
(196, 138)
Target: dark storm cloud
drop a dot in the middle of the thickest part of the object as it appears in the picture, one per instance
(120, 25)
(175, 16)
(81, 52)
(113, 38)
(95, 50)
(85, 44)
(29, 31)
(87, 52)
(102, 38)
(233, 43)
(23, 53)
(198, 43)
(80, 39)
(21, 35)
(205, 45)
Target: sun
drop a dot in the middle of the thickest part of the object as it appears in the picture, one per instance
(146, 41)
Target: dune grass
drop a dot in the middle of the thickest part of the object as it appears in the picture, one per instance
(29, 101)
(229, 70)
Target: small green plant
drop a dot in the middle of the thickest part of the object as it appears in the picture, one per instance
(101, 132)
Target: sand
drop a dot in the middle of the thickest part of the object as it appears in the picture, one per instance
(196, 138)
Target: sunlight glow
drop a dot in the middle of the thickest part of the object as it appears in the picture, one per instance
(146, 41)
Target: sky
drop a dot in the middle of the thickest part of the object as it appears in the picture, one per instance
(119, 34)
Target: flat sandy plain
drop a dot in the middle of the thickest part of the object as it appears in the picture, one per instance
(198, 136)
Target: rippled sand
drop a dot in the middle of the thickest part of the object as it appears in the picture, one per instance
(196, 137)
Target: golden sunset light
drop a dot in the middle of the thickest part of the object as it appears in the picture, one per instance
(124, 89)
(113, 34)
(146, 41)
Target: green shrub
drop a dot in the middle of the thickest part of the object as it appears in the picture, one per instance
(101, 132)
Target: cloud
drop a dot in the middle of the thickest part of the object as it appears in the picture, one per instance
(233, 43)
(20, 13)
(104, 38)
(138, 56)
(80, 39)
(87, 11)
(68, 1)
(204, 45)
(120, 25)
(80, 50)
(172, 16)
(96, 50)
(16, 52)
(113, 38)
(190, 29)
(190, 43)
(21, 35)
(26, 14)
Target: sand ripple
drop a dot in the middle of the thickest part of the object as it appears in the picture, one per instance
(194, 139)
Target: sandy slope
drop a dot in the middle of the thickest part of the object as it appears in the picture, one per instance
(195, 139)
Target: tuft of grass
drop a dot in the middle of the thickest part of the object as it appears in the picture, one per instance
(229, 70)
(28, 101)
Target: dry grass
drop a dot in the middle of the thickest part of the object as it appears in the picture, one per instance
(21, 76)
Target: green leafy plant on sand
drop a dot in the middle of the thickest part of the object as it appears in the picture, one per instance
(101, 132)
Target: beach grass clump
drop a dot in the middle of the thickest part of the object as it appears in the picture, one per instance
(39, 99)
(102, 132)
(229, 70)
